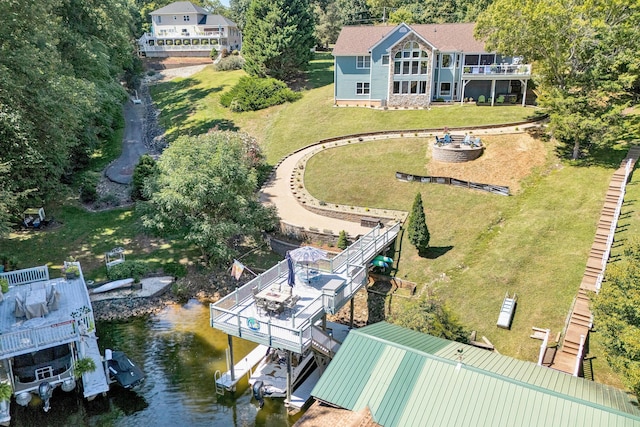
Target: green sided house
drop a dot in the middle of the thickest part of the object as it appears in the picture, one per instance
(414, 65)
(395, 377)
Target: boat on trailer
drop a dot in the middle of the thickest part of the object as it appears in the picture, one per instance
(47, 336)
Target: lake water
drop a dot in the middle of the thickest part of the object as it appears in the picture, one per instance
(180, 353)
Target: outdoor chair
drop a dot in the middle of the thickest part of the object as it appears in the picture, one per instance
(482, 99)
(500, 99)
(19, 311)
(255, 290)
(292, 302)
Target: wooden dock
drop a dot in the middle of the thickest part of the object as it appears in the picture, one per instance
(242, 368)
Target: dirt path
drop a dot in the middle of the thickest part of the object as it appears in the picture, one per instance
(121, 171)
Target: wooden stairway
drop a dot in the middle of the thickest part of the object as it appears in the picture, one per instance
(580, 319)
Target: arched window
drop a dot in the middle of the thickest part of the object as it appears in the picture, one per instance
(411, 60)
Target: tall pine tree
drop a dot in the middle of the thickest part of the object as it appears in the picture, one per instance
(417, 230)
(278, 38)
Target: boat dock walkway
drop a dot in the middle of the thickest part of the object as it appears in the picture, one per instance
(241, 368)
(302, 394)
(95, 382)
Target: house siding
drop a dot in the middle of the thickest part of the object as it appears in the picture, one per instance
(436, 81)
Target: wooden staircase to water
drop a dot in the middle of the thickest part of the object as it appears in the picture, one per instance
(570, 355)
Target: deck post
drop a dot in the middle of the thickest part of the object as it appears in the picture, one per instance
(288, 377)
(231, 365)
(351, 313)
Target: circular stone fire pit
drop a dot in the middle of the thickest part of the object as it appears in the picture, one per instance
(456, 153)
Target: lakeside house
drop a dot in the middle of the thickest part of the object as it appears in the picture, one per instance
(184, 29)
(388, 375)
(415, 65)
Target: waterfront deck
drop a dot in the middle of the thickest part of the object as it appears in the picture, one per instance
(335, 283)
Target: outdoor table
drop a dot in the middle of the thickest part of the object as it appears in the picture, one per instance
(36, 303)
(273, 295)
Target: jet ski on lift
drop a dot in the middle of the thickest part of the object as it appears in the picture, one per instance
(122, 370)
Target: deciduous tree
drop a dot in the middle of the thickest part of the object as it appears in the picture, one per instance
(205, 193)
(616, 312)
(430, 315)
(586, 62)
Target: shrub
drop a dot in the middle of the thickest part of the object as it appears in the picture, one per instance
(214, 53)
(88, 192)
(175, 269)
(225, 52)
(4, 285)
(146, 167)
(230, 63)
(254, 93)
(128, 269)
(83, 366)
(439, 99)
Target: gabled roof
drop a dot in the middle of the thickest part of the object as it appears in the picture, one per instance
(409, 378)
(178, 8)
(458, 37)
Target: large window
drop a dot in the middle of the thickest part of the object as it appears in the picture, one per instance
(362, 88)
(409, 87)
(411, 60)
(363, 62)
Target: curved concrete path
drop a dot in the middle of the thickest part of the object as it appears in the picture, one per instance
(277, 191)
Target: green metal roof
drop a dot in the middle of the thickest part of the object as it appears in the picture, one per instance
(407, 378)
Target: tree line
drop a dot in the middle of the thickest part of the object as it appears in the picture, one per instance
(61, 64)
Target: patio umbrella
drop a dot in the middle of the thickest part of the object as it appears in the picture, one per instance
(291, 276)
(307, 255)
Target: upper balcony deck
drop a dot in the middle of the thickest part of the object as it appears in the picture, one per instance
(64, 322)
(335, 283)
(497, 72)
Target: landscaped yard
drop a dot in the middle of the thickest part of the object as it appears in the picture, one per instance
(533, 243)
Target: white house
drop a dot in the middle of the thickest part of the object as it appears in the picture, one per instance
(184, 29)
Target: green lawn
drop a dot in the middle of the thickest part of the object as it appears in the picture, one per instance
(191, 106)
(534, 243)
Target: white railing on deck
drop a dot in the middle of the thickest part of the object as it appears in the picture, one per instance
(27, 275)
(614, 225)
(502, 69)
(18, 342)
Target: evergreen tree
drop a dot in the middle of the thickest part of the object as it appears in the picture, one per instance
(343, 243)
(417, 230)
(278, 38)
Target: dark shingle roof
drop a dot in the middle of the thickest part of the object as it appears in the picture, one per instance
(445, 37)
(178, 8)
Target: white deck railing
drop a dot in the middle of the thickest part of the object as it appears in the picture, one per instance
(27, 275)
(295, 335)
(33, 339)
(496, 70)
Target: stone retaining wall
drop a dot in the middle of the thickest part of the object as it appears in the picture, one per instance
(450, 154)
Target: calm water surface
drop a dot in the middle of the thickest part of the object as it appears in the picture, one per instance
(180, 353)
